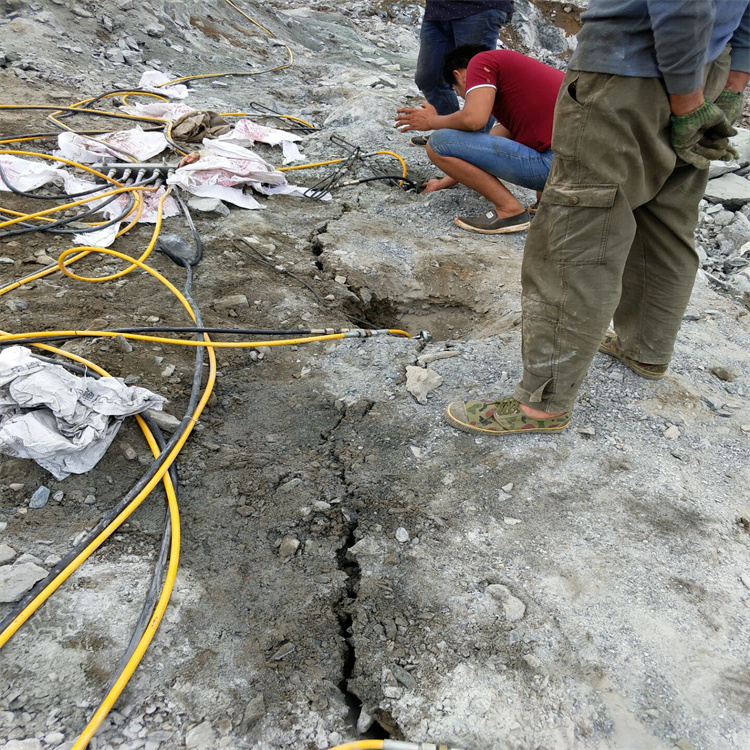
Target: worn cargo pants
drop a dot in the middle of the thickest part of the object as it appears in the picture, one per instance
(613, 237)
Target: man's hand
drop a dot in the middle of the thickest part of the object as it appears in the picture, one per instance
(731, 99)
(438, 183)
(701, 135)
(415, 118)
(730, 103)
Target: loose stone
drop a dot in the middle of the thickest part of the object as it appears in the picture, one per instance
(39, 498)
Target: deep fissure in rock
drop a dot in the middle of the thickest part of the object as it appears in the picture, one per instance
(348, 564)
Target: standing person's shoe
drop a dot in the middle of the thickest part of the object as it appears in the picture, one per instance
(609, 346)
(491, 223)
(419, 140)
(501, 417)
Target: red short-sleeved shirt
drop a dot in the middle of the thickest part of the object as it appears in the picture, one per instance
(525, 93)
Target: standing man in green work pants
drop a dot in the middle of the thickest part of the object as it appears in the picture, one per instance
(649, 98)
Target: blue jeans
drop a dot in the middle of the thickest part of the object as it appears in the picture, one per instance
(437, 38)
(505, 159)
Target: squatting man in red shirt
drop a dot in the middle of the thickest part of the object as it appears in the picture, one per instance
(520, 93)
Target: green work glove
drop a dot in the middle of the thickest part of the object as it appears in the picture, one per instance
(703, 135)
(730, 103)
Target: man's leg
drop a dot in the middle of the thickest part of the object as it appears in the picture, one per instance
(580, 241)
(484, 183)
(481, 28)
(480, 161)
(435, 41)
(662, 264)
(661, 268)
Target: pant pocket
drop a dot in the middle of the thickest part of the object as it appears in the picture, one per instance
(579, 220)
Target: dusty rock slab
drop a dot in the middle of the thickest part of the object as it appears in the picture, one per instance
(730, 190)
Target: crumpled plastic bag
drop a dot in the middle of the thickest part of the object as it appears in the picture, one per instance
(26, 175)
(153, 80)
(223, 166)
(137, 142)
(60, 420)
(246, 133)
(164, 110)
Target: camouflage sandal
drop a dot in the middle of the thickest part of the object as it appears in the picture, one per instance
(609, 346)
(499, 418)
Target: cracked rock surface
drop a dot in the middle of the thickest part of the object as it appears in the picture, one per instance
(351, 567)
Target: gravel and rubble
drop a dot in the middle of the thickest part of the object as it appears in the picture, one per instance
(351, 567)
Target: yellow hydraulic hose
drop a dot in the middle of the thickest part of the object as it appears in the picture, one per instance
(174, 558)
(53, 116)
(395, 156)
(111, 277)
(309, 166)
(160, 475)
(34, 605)
(6, 338)
(142, 93)
(65, 206)
(79, 110)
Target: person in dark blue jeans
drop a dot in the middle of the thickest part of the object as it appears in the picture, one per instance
(448, 24)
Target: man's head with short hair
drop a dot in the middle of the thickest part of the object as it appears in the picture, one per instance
(458, 59)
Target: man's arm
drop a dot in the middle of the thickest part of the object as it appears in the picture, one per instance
(737, 81)
(477, 110)
(732, 98)
(682, 30)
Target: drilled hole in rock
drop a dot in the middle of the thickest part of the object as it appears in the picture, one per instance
(444, 322)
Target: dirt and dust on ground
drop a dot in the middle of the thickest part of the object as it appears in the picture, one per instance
(351, 567)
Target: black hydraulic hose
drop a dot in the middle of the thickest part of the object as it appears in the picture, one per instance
(158, 576)
(114, 92)
(157, 581)
(188, 217)
(53, 228)
(260, 258)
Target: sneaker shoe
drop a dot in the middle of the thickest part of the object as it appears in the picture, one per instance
(491, 223)
(499, 418)
(609, 346)
(419, 140)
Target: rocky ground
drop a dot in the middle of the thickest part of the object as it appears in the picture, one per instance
(351, 567)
